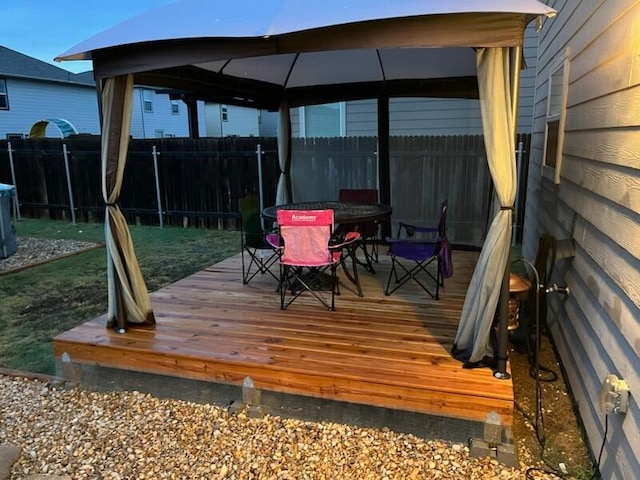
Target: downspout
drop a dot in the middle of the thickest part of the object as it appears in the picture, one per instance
(144, 132)
(503, 334)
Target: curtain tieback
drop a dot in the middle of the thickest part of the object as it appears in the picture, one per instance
(508, 208)
(111, 204)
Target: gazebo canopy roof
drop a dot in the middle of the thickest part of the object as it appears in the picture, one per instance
(250, 53)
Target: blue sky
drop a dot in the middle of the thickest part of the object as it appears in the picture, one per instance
(44, 29)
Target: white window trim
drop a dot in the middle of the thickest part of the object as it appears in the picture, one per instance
(302, 124)
(5, 94)
(553, 173)
(143, 94)
(343, 119)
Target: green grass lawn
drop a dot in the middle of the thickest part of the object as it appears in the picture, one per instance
(40, 302)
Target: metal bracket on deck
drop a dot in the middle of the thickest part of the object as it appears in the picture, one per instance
(497, 442)
(251, 400)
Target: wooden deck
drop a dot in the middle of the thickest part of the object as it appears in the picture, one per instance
(389, 352)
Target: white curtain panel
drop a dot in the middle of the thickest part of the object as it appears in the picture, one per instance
(472, 343)
(127, 292)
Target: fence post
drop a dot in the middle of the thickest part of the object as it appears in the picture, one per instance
(65, 153)
(259, 153)
(16, 203)
(155, 169)
(515, 233)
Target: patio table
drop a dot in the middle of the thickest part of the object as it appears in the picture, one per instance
(344, 212)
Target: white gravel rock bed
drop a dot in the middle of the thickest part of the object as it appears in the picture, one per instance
(32, 251)
(77, 434)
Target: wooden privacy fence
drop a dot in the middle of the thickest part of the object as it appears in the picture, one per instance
(167, 181)
(423, 170)
(198, 182)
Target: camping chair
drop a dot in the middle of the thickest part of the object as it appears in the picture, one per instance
(368, 230)
(261, 255)
(307, 253)
(414, 250)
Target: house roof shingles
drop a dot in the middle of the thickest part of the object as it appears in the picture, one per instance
(18, 65)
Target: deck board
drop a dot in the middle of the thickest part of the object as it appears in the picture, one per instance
(391, 352)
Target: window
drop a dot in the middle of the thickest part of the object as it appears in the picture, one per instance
(175, 107)
(147, 100)
(4, 98)
(556, 107)
(159, 133)
(15, 136)
(224, 113)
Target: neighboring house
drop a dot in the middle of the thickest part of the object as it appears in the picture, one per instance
(584, 185)
(32, 90)
(231, 120)
(155, 115)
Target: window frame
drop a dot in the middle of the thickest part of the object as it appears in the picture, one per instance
(4, 92)
(175, 107)
(555, 118)
(147, 92)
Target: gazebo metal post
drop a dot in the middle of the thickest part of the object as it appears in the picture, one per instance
(503, 334)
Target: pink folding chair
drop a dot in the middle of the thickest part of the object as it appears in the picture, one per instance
(308, 252)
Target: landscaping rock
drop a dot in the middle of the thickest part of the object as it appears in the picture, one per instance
(9, 454)
(71, 433)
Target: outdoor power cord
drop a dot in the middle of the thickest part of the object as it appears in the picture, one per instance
(538, 422)
(596, 468)
(534, 372)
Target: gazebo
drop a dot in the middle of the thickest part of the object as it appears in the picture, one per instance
(278, 54)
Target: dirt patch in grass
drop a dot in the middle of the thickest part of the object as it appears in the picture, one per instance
(36, 251)
(546, 428)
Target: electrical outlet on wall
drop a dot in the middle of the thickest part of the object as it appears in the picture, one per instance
(614, 395)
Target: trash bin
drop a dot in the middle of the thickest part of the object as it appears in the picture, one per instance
(8, 242)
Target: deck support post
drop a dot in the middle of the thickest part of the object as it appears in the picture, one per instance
(497, 442)
(251, 400)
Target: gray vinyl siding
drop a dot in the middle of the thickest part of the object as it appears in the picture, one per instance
(31, 101)
(213, 120)
(362, 118)
(241, 121)
(268, 124)
(596, 204)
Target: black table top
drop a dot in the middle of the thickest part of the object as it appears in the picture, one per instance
(344, 212)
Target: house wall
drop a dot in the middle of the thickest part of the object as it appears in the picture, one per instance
(31, 101)
(149, 124)
(213, 122)
(596, 203)
(240, 122)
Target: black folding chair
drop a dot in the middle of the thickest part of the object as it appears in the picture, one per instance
(261, 256)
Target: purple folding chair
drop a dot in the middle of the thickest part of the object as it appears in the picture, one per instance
(415, 250)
